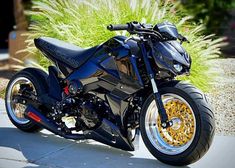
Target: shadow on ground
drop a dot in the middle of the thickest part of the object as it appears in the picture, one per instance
(48, 150)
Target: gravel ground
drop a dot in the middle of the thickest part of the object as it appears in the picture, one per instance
(221, 97)
(3, 83)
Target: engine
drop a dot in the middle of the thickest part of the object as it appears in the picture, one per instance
(91, 112)
(80, 112)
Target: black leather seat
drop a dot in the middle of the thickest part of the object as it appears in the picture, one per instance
(63, 52)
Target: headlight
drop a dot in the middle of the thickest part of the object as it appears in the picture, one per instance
(178, 67)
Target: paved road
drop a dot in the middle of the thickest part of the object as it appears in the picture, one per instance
(45, 150)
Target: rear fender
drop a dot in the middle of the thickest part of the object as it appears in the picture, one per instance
(40, 75)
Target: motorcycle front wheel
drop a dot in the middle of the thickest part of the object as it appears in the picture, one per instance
(192, 132)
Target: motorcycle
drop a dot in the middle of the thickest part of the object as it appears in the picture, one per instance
(114, 91)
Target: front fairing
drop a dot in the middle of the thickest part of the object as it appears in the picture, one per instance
(167, 30)
(168, 53)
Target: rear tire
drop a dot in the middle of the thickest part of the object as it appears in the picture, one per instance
(199, 144)
(38, 78)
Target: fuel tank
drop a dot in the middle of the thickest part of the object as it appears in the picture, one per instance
(112, 67)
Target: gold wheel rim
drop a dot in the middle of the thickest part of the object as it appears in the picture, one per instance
(182, 130)
(178, 138)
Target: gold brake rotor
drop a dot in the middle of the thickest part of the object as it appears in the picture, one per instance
(182, 130)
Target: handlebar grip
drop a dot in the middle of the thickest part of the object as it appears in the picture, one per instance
(112, 27)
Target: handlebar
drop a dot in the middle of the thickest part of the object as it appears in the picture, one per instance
(114, 27)
(135, 28)
(141, 29)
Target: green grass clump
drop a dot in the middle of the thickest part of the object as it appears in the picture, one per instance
(84, 22)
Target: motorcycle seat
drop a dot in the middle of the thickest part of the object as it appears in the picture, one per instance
(63, 52)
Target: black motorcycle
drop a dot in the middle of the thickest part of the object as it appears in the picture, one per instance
(114, 91)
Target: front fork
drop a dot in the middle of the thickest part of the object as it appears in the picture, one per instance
(161, 110)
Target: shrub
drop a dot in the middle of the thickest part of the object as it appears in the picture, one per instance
(212, 13)
(84, 23)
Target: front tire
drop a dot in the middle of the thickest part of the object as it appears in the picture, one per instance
(192, 132)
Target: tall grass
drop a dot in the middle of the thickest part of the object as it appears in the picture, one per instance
(83, 23)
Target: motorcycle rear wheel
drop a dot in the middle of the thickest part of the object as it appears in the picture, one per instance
(193, 125)
(36, 79)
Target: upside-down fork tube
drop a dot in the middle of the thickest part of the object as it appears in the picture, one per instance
(34, 115)
(161, 110)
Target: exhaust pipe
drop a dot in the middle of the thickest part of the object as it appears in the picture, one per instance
(34, 115)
